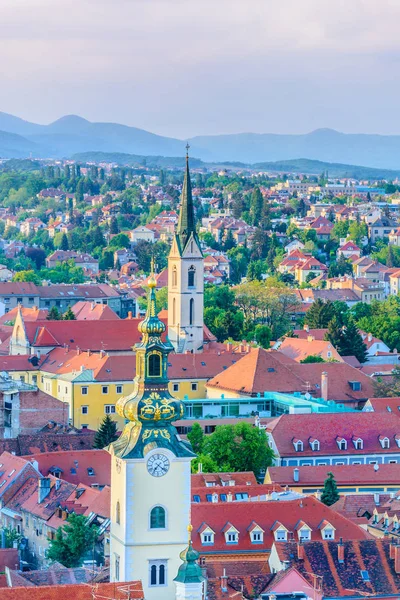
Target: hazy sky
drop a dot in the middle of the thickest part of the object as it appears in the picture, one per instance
(193, 67)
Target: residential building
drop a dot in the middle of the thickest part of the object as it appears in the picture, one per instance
(263, 371)
(14, 293)
(380, 228)
(355, 438)
(350, 479)
(83, 260)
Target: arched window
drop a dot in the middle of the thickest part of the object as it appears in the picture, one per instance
(153, 575)
(174, 311)
(191, 247)
(174, 277)
(161, 575)
(157, 518)
(191, 276)
(118, 513)
(191, 311)
(154, 365)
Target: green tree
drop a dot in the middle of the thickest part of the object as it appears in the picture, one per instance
(106, 433)
(312, 358)
(208, 465)
(240, 447)
(256, 206)
(27, 276)
(387, 387)
(335, 334)
(69, 315)
(196, 438)
(263, 335)
(320, 314)
(72, 541)
(353, 344)
(114, 229)
(64, 242)
(330, 494)
(54, 314)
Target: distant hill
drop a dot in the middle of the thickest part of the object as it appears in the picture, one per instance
(73, 134)
(302, 165)
(134, 160)
(323, 144)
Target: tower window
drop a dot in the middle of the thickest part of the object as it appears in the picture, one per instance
(174, 277)
(118, 513)
(191, 276)
(191, 311)
(158, 572)
(174, 311)
(157, 518)
(116, 567)
(154, 365)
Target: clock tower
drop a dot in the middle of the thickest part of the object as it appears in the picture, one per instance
(150, 472)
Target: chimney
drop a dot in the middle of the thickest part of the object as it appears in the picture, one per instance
(229, 497)
(78, 351)
(300, 551)
(397, 559)
(310, 338)
(340, 550)
(324, 385)
(306, 328)
(376, 498)
(296, 475)
(129, 314)
(58, 483)
(229, 346)
(392, 547)
(200, 467)
(93, 306)
(102, 353)
(370, 337)
(44, 488)
(224, 582)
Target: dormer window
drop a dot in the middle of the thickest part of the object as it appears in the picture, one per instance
(304, 534)
(342, 443)
(358, 443)
(314, 445)
(257, 536)
(207, 536)
(232, 537)
(281, 535)
(298, 445)
(385, 443)
(327, 531)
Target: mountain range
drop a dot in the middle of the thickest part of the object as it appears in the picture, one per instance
(73, 134)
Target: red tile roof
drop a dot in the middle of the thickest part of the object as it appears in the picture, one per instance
(385, 405)
(29, 314)
(75, 465)
(117, 591)
(91, 311)
(263, 370)
(265, 514)
(352, 475)
(341, 579)
(329, 427)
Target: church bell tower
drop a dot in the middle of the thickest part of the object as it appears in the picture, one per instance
(150, 472)
(186, 278)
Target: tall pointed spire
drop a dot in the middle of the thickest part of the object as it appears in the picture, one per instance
(186, 222)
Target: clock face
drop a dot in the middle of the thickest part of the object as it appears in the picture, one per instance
(158, 465)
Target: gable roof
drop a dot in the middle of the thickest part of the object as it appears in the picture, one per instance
(269, 370)
(75, 466)
(328, 427)
(241, 514)
(91, 311)
(299, 349)
(353, 475)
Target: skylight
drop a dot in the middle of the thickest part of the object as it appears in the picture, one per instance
(365, 575)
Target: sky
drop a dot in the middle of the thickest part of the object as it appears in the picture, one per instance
(194, 67)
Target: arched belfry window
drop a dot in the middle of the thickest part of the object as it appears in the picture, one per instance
(174, 277)
(174, 311)
(191, 311)
(157, 518)
(154, 365)
(191, 276)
